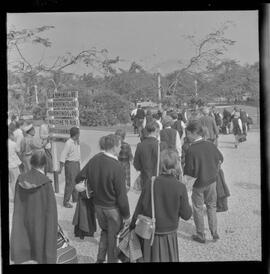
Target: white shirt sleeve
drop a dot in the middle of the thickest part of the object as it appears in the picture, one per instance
(65, 151)
(178, 144)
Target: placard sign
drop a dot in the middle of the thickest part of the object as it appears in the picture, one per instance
(63, 112)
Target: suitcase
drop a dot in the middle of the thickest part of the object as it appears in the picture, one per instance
(66, 253)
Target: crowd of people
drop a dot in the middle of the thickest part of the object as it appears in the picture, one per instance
(177, 149)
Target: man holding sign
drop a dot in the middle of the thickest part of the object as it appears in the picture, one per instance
(70, 158)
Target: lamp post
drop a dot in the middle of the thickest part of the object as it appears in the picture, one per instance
(159, 90)
(54, 156)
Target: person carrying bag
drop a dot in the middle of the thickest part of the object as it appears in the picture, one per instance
(145, 226)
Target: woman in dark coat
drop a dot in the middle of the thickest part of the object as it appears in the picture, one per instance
(237, 128)
(34, 223)
(170, 202)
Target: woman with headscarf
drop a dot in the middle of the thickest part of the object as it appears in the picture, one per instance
(34, 223)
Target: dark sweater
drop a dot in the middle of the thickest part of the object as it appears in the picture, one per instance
(201, 162)
(210, 123)
(171, 202)
(168, 135)
(106, 178)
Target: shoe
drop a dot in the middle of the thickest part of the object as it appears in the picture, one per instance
(99, 262)
(67, 205)
(215, 237)
(198, 239)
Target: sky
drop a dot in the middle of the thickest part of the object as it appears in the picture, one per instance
(152, 39)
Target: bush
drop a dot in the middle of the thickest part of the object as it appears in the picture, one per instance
(105, 109)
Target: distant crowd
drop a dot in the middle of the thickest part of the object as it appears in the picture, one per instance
(177, 156)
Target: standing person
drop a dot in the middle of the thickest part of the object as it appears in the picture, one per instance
(178, 124)
(170, 135)
(244, 120)
(28, 145)
(237, 128)
(170, 203)
(209, 122)
(125, 155)
(18, 133)
(44, 136)
(134, 120)
(106, 178)
(157, 118)
(13, 163)
(202, 162)
(140, 117)
(184, 115)
(145, 159)
(226, 120)
(34, 223)
(70, 158)
(12, 125)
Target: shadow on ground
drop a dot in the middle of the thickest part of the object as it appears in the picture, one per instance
(247, 185)
(85, 259)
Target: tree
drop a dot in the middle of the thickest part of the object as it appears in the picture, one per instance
(208, 51)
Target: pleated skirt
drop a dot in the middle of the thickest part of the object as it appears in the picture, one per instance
(164, 248)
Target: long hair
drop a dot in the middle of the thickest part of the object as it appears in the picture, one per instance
(169, 162)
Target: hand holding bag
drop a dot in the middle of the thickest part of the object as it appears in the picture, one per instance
(82, 188)
(146, 226)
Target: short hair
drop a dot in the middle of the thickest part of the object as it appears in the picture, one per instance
(111, 141)
(102, 143)
(169, 162)
(156, 116)
(195, 126)
(121, 132)
(74, 131)
(205, 110)
(167, 121)
(38, 159)
(151, 126)
(174, 115)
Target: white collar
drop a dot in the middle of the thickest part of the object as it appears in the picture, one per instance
(40, 170)
(198, 139)
(110, 155)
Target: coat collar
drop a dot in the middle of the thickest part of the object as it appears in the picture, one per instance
(32, 179)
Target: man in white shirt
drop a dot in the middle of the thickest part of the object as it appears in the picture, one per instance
(70, 158)
(13, 162)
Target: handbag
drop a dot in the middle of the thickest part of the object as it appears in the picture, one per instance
(66, 253)
(242, 138)
(146, 226)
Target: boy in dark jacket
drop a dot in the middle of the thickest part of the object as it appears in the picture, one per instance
(201, 162)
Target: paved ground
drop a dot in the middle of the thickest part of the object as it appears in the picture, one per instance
(239, 228)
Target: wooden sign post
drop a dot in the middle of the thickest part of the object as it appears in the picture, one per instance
(63, 114)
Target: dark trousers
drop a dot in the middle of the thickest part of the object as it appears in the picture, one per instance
(205, 195)
(71, 171)
(110, 222)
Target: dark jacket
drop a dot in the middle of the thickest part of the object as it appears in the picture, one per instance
(202, 161)
(210, 124)
(178, 126)
(106, 178)
(140, 113)
(171, 202)
(168, 135)
(84, 219)
(34, 226)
